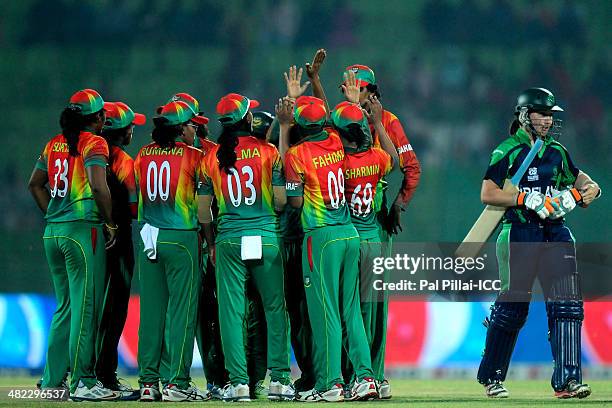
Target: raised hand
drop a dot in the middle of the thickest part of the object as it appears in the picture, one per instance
(350, 87)
(284, 110)
(373, 110)
(312, 69)
(293, 80)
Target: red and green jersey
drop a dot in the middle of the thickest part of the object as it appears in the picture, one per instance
(362, 172)
(166, 180)
(245, 196)
(71, 195)
(122, 183)
(408, 162)
(313, 168)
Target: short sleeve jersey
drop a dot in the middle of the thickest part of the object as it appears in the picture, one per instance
(314, 170)
(362, 172)
(166, 180)
(122, 183)
(245, 196)
(71, 195)
(552, 170)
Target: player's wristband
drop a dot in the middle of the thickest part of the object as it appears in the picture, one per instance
(576, 194)
(520, 199)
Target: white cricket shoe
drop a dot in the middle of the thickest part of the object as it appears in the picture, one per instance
(364, 390)
(149, 392)
(384, 389)
(172, 393)
(496, 390)
(334, 394)
(281, 392)
(95, 393)
(236, 393)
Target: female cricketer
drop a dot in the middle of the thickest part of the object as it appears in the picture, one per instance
(167, 174)
(389, 216)
(535, 243)
(245, 175)
(208, 337)
(364, 167)
(118, 130)
(315, 183)
(78, 212)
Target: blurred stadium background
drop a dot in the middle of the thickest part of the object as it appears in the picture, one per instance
(449, 69)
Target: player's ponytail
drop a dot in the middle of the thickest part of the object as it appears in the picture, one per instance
(165, 136)
(72, 123)
(228, 140)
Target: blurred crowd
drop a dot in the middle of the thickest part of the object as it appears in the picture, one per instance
(461, 65)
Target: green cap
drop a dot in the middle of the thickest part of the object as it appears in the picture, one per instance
(261, 123)
(120, 115)
(179, 112)
(309, 111)
(347, 113)
(233, 107)
(363, 73)
(86, 102)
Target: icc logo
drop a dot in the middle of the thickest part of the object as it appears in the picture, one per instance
(532, 174)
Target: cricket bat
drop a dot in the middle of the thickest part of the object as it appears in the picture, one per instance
(492, 215)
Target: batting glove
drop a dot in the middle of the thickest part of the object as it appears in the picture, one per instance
(538, 202)
(566, 200)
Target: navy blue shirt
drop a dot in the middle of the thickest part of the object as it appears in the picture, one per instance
(551, 171)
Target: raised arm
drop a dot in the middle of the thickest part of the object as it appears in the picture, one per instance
(374, 112)
(295, 89)
(312, 70)
(284, 115)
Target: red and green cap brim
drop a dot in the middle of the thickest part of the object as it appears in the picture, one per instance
(120, 115)
(346, 114)
(363, 73)
(232, 108)
(309, 111)
(86, 102)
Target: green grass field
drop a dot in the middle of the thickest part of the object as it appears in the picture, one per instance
(411, 393)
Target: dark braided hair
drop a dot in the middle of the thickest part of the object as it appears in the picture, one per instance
(228, 140)
(165, 135)
(72, 123)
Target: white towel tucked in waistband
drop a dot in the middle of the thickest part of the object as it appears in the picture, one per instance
(148, 233)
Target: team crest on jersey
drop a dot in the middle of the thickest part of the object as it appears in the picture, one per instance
(532, 174)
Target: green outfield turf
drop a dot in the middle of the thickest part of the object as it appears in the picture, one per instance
(406, 393)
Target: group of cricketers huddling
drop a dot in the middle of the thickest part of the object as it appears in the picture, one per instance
(252, 245)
